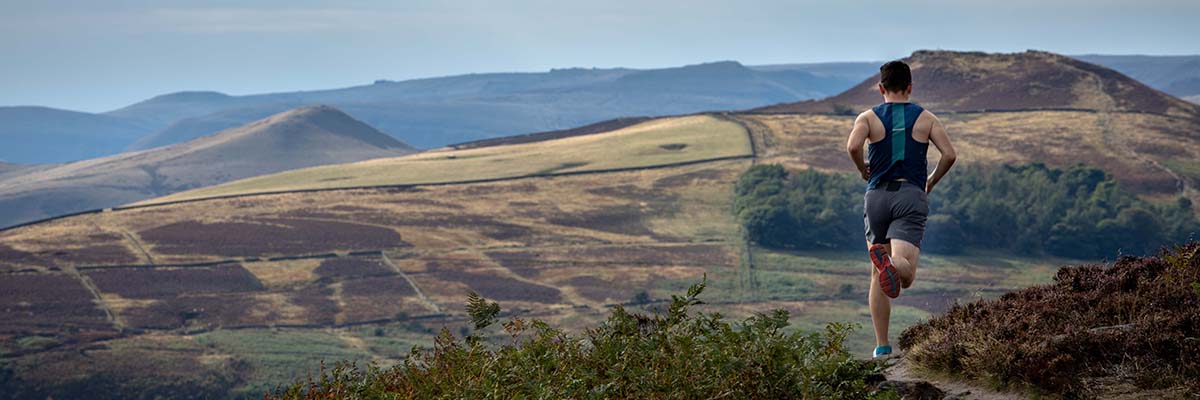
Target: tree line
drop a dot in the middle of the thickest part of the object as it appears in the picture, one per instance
(1078, 212)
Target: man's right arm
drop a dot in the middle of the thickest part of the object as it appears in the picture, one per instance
(854, 146)
(941, 140)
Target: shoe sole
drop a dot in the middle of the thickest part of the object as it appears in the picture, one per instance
(891, 287)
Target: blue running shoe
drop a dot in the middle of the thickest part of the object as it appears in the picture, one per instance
(881, 351)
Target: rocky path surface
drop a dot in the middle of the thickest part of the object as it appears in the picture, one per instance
(912, 386)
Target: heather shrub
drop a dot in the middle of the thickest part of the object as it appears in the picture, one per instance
(1134, 323)
(677, 354)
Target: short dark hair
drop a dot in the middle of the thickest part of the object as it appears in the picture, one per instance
(895, 76)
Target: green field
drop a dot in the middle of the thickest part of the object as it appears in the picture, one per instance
(831, 286)
(652, 143)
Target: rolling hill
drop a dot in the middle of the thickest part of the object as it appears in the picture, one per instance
(229, 296)
(294, 139)
(33, 135)
(1033, 80)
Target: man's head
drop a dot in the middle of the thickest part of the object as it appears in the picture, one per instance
(895, 78)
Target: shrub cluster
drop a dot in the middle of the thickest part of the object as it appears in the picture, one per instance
(1078, 212)
(1134, 323)
(674, 355)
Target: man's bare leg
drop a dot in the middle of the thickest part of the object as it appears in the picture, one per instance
(904, 257)
(881, 309)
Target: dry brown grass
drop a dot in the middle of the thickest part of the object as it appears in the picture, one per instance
(284, 274)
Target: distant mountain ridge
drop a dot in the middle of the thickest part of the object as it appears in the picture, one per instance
(1175, 75)
(974, 81)
(33, 134)
(435, 112)
(297, 138)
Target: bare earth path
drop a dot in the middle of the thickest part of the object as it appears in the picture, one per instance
(954, 389)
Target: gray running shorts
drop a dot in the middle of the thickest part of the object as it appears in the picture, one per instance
(895, 210)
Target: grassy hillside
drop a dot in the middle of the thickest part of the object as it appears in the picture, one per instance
(657, 142)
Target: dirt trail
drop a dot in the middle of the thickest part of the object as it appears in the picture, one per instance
(97, 298)
(902, 372)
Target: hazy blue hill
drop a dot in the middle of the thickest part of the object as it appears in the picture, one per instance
(438, 111)
(848, 72)
(1176, 75)
(31, 135)
(162, 110)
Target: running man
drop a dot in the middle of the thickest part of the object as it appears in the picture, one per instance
(896, 203)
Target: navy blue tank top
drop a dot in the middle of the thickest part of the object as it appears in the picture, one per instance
(898, 155)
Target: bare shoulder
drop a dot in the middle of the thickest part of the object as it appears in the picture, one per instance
(928, 117)
(926, 122)
(865, 116)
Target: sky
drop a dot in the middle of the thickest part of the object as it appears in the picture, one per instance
(100, 55)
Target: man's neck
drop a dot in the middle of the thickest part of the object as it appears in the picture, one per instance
(895, 98)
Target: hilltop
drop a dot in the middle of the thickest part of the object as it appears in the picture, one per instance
(1033, 80)
(293, 139)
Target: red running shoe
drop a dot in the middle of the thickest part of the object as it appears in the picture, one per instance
(889, 279)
